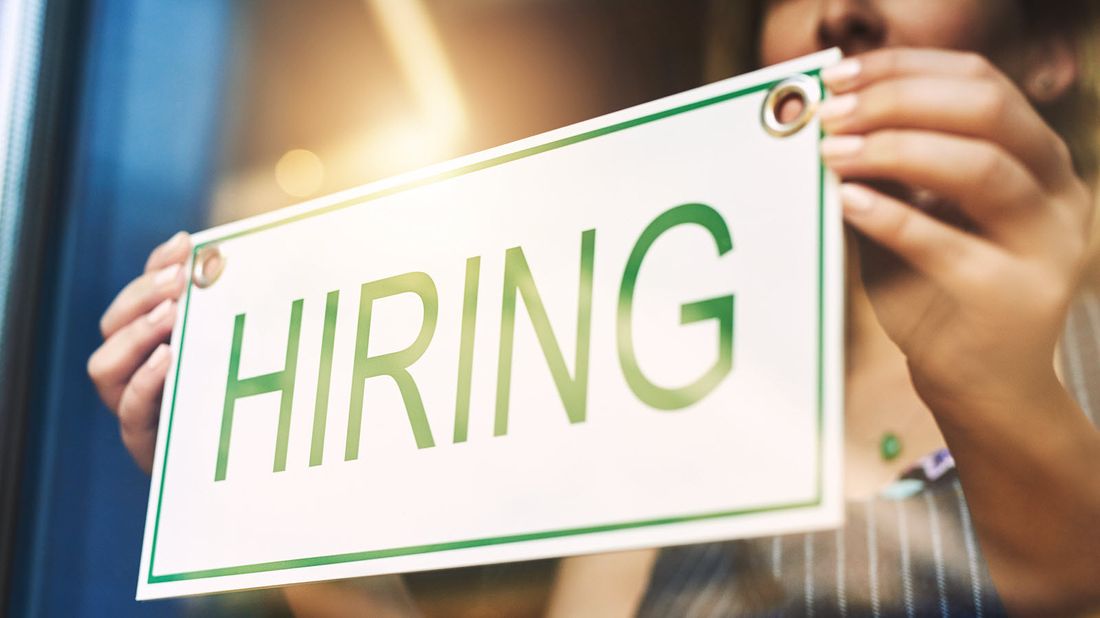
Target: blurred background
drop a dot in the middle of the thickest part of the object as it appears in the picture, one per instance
(123, 121)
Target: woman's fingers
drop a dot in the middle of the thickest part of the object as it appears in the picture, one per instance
(141, 295)
(139, 406)
(957, 261)
(892, 62)
(129, 368)
(991, 187)
(983, 109)
(163, 278)
(172, 251)
(114, 363)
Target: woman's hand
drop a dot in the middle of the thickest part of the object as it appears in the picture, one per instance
(128, 369)
(977, 296)
(984, 303)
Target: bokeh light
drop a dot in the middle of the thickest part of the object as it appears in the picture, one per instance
(299, 173)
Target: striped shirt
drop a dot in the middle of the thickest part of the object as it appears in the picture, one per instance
(911, 551)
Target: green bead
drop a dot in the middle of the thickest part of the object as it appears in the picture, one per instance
(889, 446)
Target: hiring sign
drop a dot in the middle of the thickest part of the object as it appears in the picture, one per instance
(620, 334)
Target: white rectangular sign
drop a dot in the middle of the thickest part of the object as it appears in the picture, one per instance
(619, 334)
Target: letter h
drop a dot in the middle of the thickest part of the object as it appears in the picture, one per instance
(279, 381)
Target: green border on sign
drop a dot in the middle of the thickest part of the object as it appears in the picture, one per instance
(279, 565)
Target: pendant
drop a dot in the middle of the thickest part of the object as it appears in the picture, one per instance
(889, 446)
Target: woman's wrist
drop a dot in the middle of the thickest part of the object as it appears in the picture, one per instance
(978, 402)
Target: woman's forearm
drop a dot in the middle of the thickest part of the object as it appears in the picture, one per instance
(1029, 467)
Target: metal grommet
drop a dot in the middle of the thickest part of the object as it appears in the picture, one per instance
(800, 86)
(209, 264)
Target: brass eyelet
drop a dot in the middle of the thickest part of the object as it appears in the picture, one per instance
(801, 86)
(209, 265)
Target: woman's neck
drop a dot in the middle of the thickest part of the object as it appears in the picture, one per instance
(880, 400)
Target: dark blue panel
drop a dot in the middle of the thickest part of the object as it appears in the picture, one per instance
(142, 167)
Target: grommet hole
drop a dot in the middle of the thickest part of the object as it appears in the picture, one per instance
(209, 264)
(790, 105)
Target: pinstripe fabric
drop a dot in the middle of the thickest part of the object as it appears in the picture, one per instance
(807, 568)
(915, 556)
(841, 590)
(909, 557)
(937, 552)
(906, 567)
(872, 559)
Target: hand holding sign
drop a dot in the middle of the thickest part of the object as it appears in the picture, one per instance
(128, 369)
(952, 123)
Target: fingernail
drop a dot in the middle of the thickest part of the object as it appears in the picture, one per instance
(177, 239)
(841, 73)
(159, 312)
(166, 274)
(159, 357)
(841, 146)
(835, 108)
(856, 199)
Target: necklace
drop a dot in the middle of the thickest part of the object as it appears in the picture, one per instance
(889, 446)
